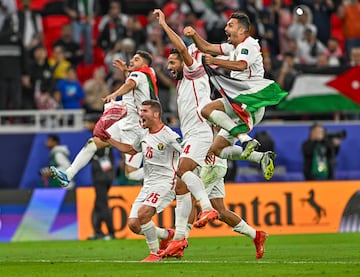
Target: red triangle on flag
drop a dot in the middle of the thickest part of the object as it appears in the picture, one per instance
(348, 83)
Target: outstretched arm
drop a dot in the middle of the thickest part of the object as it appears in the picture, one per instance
(202, 44)
(125, 88)
(122, 147)
(230, 65)
(174, 38)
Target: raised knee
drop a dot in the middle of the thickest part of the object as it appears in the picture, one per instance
(205, 112)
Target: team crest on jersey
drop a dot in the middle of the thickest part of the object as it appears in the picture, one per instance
(161, 146)
(179, 140)
(244, 51)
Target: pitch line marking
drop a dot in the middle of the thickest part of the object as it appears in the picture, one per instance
(186, 262)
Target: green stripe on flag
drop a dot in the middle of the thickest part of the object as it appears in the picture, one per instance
(268, 96)
(319, 103)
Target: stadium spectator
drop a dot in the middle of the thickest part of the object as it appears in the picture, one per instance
(72, 50)
(82, 14)
(7, 9)
(13, 68)
(112, 26)
(334, 52)
(322, 11)
(355, 56)
(215, 19)
(287, 73)
(29, 26)
(349, 14)
(282, 15)
(37, 95)
(96, 89)
(69, 92)
(309, 47)
(123, 50)
(58, 63)
(302, 17)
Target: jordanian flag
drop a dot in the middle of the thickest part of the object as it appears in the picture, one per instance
(245, 97)
(324, 93)
(253, 94)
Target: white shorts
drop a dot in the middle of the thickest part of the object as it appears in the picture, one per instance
(130, 136)
(196, 148)
(157, 196)
(216, 189)
(258, 115)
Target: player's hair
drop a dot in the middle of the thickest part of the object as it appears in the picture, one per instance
(242, 19)
(175, 51)
(54, 138)
(154, 104)
(146, 56)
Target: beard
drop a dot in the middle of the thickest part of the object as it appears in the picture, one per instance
(179, 75)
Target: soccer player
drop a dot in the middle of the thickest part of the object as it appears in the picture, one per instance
(212, 175)
(139, 86)
(241, 107)
(161, 147)
(193, 92)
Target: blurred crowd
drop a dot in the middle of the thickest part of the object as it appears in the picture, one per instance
(73, 70)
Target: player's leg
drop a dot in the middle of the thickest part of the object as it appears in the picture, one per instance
(216, 192)
(192, 157)
(240, 226)
(220, 113)
(223, 148)
(81, 160)
(147, 226)
(182, 211)
(196, 187)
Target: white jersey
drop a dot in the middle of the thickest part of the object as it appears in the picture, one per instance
(249, 52)
(193, 93)
(161, 154)
(134, 99)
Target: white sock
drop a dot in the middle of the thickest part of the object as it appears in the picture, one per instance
(136, 175)
(82, 159)
(221, 119)
(255, 157)
(150, 235)
(188, 229)
(231, 152)
(243, 137)
(182, 212)
(161, 233)
(196, 187)
(244, 228)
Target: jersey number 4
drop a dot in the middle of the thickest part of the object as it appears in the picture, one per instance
(187, 149)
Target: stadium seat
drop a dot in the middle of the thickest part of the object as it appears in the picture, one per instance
(52, 29)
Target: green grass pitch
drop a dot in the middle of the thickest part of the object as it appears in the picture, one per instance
(286, 255)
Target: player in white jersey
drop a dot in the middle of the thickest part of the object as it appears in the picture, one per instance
(161, 147)
(140, 85)
(246, 64)
(193, 92)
